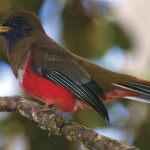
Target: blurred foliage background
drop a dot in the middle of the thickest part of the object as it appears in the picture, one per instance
(113, 34)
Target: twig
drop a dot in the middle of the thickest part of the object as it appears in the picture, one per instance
(49, 120)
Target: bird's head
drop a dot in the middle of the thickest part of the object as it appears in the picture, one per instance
(18, 26)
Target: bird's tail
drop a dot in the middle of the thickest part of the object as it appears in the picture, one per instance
(138, 90)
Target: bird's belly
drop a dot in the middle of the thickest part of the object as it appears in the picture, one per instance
(48, 91)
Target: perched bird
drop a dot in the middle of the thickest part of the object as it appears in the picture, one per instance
(61, 79)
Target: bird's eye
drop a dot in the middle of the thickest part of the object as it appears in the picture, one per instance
(17, 22)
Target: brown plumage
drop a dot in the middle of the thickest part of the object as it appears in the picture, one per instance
(51, 73)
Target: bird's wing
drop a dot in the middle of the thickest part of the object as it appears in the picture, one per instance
(65, 71)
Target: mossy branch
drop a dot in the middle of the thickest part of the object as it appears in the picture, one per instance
(50, 121)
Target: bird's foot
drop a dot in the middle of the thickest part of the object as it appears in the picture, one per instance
(47, 108)
(51, 106)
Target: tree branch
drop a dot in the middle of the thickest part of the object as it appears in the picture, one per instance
(49, 120)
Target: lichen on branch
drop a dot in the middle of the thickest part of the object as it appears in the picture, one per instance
(50, 121)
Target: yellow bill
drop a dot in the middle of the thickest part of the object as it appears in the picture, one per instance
(4, 29)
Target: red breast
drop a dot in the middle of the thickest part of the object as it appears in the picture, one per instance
(45, 90)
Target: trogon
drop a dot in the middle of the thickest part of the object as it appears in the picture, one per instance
(47, 71)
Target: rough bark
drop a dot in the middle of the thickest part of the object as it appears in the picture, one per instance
(50, 121)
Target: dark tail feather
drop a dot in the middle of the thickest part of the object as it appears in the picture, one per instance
(141, 87)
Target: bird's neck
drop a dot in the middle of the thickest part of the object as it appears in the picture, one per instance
(20, 53)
